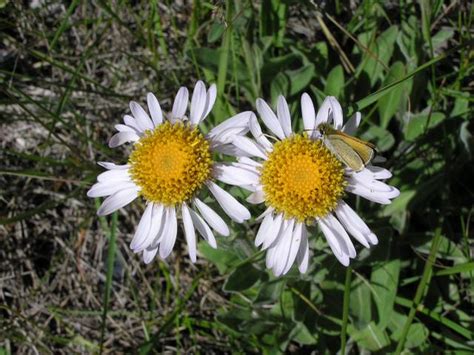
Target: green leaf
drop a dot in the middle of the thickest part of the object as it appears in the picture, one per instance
(447, 250)
(457, 269)
(279, 86)
(418, 123)
(389, 104)
(441, 38)
(335, 82)
(222, 258)
(303, 336)
(300, 78)
(370, 337)
(380, 52)
(384, 282)
(382, 138)
(215, 32)
(242, 278)
(360, 305)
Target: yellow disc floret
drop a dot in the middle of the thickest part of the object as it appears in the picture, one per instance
(171, 163)
(302, 178)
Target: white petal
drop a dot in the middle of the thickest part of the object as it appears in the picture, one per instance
(351, 126)
(125, 128)
(230, 149)
(237, 123)
(273, 252)
(269, 118)
(114, 175)
(180, 104)
(302, 258)
(256, 197)
(341, 234)
(189, 232)
(169, 236)
(121, 138)
(102, 189)
(265, 213)
(355, 225)
(248, 161)
(131, 122)
(212, 218)
(210, 100)
(229, 204)
(233, 175)
(149, 255)
(308, 112)
(203, 229)
(110, 166)
(198, 103)
(227, 136)
(283, 113)
(372, 195)
(155, 109)
(283, 249)
(143, 227)
(265, 227)
(157, 221)
(257, 133)
(336, 243)
(249, 146)
(275, 230)
(117, 200)
(294, 247)
(330, 112)
(141, 117)
(378, 172)
(241, 120)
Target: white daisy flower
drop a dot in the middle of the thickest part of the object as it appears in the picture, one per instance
(171, 162)
(301, 182)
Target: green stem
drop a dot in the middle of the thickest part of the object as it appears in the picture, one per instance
(109, 275)
(345, 309)
(420, 291)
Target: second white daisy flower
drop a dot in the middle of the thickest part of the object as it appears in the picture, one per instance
(302, 182)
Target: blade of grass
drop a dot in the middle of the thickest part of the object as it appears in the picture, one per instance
(420, 291)
(63, 25)
(436, 316)
(112, 248)
(345, 309)
(224, 59)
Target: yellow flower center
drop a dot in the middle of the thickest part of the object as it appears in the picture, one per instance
(302, 178)
(171, 163)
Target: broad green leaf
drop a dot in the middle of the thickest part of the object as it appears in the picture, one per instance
(441, 38)
(447, 250)
(384, 282)
(335, 82)
(360, 306)
(418, 123)
(303, 336)
(389, 104)
(382, 50)
(300, 78)
(279, 86)
(242, 278)
(370, 337)
(382, 138)
(223, 259)
(215, 32)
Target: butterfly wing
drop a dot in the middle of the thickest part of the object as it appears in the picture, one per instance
(345, 153)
